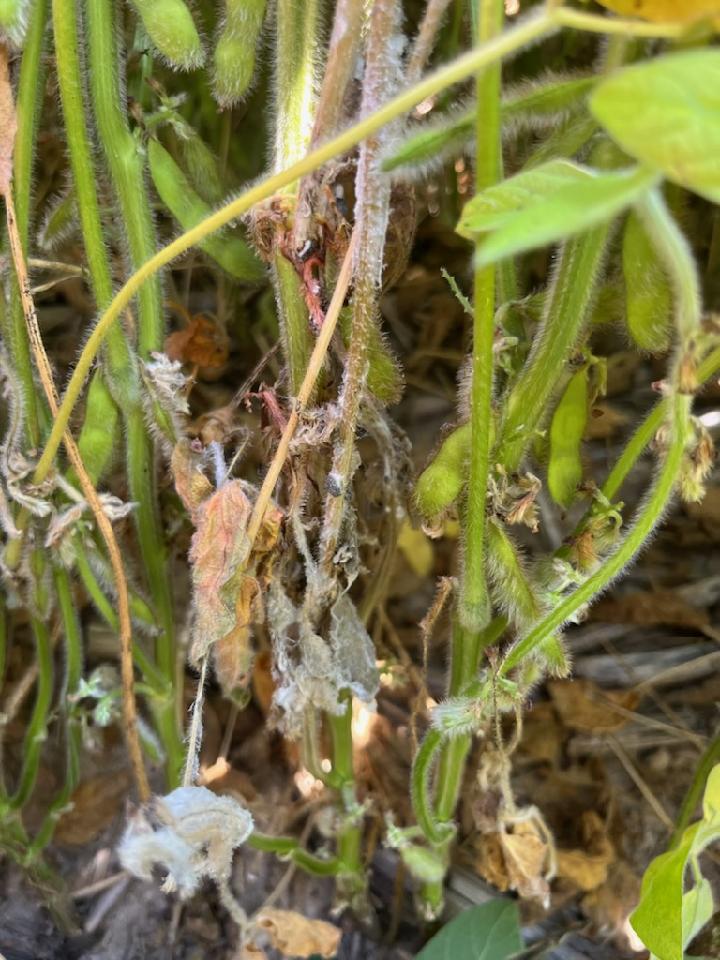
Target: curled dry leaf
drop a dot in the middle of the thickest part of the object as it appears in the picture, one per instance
(218, 552)
(200, 343)
(296, 936)
(94, 803)
(587, 866)
(584, 706)
(519, 855)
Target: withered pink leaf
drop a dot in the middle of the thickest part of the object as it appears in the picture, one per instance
(217, 554)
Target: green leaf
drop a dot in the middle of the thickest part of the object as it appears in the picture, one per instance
(648, 297)
(488, 932)
(666, 113)
(658, 919)
(546, 204)
(697, 909)
(711, 797)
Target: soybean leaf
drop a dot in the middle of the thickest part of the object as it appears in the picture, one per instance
(488, 932)
(659, 11)
(658, 919)
(547, 204)
(666, 113)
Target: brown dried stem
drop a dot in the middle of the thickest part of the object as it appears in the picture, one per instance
(372, 206)
(317, 358)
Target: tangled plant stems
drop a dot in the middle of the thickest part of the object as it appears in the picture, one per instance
(508, 615)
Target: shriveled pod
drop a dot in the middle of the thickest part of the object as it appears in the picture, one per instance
(232, 253)
(566, 433)
(172, 31)
(441, 482)
(13, 20)
(648, 297)
(235, 49)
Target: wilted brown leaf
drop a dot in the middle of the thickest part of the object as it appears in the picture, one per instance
(542, 734)
(604, 422)
(8, 122)
(200, 343)
(232, 653)
(297, 936)
(262, 681)
(587, 866)
(611, 904)
(584, 706)
(526, 853)
(648, 608)
(218, 549)
(95, 803)
(490, 862)
(192, 486)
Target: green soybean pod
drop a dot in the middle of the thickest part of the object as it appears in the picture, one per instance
(384, 379)
(235, 49)
(566, 433)
(171, 29)
(513, 591)
(648, 297)
(97, 437)
(232, 253)
(60, 223)
(202, 167)
(13, 20)
(441, 482)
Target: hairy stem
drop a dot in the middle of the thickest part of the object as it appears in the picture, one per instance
(126, 168)
(29, 101)
(297, 27)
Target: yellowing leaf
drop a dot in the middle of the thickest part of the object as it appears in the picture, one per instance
(416, 549)
(665, 11)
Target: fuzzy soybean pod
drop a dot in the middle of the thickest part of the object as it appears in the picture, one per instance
(648, 296)
(13, 20)
(171, 29)
(99, 432)
(232, 253)
(566, 433)
(235, 49)
(441, 482)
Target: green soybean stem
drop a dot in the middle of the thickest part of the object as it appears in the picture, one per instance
(296, 47)
(473, 610)
(474, 607)
(37, 727)
(29, 97)
(127, 174)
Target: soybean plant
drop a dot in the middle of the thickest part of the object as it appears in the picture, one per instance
(304, 555)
